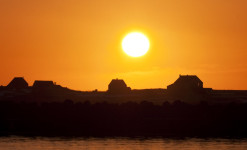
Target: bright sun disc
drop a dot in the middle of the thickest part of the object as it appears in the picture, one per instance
(135, 44)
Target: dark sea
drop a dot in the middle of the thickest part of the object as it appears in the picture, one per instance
(119, 143)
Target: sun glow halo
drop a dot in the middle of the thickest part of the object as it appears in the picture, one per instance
(135, 44)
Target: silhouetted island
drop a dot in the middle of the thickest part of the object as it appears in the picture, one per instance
(184, 109)
(187, 88)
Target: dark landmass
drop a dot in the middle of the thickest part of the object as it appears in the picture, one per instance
(177, 119)
(187, 88)
(184, 109)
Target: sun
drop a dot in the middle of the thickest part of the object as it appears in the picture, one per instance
(135, 44)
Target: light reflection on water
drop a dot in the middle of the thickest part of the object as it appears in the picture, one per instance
(40, 143)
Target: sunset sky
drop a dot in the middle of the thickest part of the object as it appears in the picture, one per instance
(77, 43)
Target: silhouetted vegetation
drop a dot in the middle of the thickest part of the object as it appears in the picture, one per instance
(127, 119)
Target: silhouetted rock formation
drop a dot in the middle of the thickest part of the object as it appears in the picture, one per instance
(118, 86)
(17, 83)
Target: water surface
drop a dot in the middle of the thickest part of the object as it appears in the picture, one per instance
(40, 143)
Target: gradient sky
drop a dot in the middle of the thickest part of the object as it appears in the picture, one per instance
(77, 43)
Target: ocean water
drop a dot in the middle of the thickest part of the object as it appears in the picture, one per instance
(119, 143)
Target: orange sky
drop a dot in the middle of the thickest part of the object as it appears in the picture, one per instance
(77, 43)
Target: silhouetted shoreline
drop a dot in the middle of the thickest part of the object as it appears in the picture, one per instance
(176, 119)
(187, 88)
(184, 109)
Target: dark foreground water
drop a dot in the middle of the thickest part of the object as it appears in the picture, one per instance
(40, 143)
